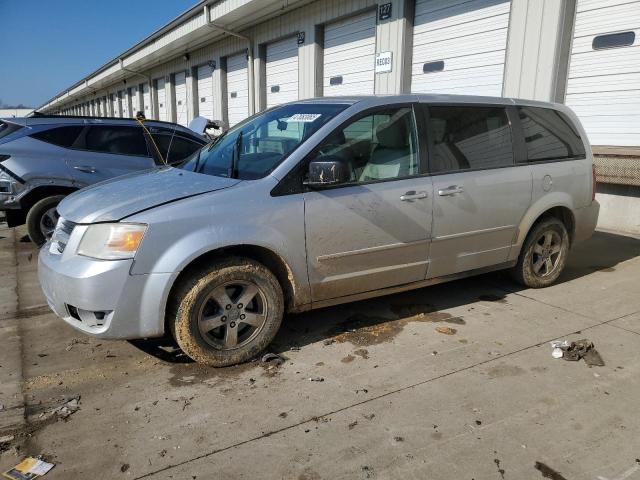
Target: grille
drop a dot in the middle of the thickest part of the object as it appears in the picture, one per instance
(61, 235)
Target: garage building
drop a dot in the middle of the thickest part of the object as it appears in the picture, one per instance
(227, 59)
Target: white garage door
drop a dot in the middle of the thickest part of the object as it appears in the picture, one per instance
(126, 112)
(115, 105)
(205, 92)
(237, 88)
(349, 56)
(459, 46)
(182, 109)
(604, 74)
(162, 100)
(146, 100)
(135, 101)
(282, 71)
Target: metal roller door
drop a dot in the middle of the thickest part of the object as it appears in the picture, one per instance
(603, 87)
(162, 100)
(237, 88)
(205, 91)
(282, 71)
(182, 110)
(135, 101)
(146, 100)
(459, 46)
(349, 56)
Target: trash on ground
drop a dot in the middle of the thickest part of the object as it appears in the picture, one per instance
(273, 357)
(574, 351)
(68, 409)
(7, 438)
(29, 468)
(316, 379)
(446, 330)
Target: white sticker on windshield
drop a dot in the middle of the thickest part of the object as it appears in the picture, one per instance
(304, 117)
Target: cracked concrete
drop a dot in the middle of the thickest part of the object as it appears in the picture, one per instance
(487, 402)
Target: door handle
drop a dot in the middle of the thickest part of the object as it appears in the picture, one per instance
(412, 195)
(452, 190)
(85, 168)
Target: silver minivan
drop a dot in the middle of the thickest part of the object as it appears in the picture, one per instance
(320, 202)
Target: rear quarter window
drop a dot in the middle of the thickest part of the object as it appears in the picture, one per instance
(60, 136)
(549, 135)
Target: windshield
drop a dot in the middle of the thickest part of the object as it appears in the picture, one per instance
(7, 128)
(253, 148)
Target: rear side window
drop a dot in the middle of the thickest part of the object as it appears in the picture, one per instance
(117, 140)
(469, 138)
(60, 136)
(549, 135)
(177, 149)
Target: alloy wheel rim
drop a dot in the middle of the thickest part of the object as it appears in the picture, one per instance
(48, 222)
(232, 315)
(547, 251)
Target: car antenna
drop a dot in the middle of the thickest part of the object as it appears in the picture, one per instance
(140, 118)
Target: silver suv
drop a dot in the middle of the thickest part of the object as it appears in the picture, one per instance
(316, 203)
(44, 158)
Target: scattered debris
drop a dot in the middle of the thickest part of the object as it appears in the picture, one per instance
(398, 439)
(446, 330)
(1, 407)
(500, 470)
(353, 424)
(283, 415)
(273, 358)
(29, 468)
(478, 422)
(548, 472)
(69, 408)
(328, 342)
(574, 351)
(316, 379)
(348, 359)
(76, 341)
(362, 352)
(6, 439)
(370, 416)
(295, 348)
(124, 467)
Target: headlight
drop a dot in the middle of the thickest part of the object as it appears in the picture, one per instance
(111, 241)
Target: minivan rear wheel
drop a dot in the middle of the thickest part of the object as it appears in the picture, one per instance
(544, 254)
(227, 313)
(42, 218)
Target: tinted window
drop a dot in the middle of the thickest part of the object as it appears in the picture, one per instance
(115, 139)
(378, 146)
(613, 40)
(61, 136)
(175, 149)
(464, 138)
(549, 135)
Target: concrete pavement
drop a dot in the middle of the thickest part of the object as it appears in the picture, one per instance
(397, 398)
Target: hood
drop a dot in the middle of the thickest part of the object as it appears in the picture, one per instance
(121, 197)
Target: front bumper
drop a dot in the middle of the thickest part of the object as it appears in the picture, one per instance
(586, 219)
(101, 298)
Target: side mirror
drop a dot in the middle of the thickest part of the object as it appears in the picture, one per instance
(327, 172)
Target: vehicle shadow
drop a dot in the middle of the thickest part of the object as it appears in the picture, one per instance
(380, 319)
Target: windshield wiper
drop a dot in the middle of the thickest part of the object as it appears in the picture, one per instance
(235, 157)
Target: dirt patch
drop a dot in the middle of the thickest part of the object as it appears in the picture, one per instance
(194, 373)
(348, 359)
(364, 330)
(501, 371)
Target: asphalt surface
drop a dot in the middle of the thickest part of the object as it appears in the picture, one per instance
(368, 390)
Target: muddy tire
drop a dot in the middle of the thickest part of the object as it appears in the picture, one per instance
(544, 254)
(42, 218)
(226, 313)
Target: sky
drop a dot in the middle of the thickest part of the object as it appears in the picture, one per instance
(48, 45)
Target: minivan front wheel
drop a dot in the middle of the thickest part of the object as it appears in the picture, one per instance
(227, 313)
(544, 254)
(42, 218)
